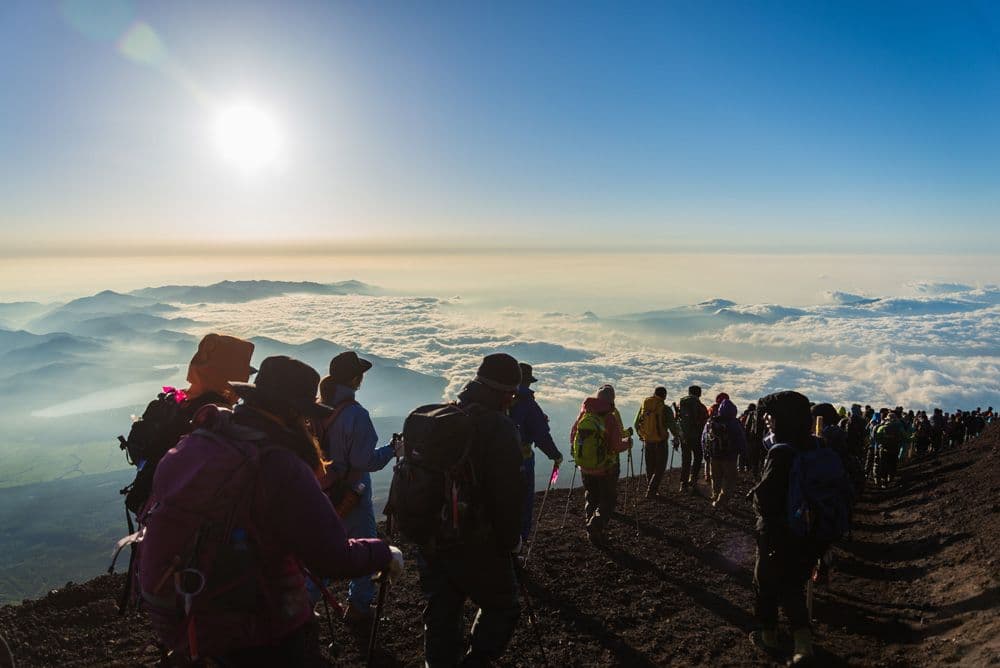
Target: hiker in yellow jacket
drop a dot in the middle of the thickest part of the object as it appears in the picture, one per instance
(655, 423)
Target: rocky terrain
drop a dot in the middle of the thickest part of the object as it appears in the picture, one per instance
(918, 585)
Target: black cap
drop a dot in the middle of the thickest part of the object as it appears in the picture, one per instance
(527, 378)
(347, 366)
(283, 381)
(500, 372)
(694, 391)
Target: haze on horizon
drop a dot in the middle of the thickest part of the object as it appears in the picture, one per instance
(852, 127)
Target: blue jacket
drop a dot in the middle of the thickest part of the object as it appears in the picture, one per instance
(533, 424)
(351, 442)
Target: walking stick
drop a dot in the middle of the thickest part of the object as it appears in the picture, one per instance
(519, 573)
(568, 497)
(541, 509)
(383, 590)
(642, 461)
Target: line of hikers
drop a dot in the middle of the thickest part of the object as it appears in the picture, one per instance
(250, 499)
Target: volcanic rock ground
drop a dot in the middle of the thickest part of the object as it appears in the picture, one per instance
(919, 585)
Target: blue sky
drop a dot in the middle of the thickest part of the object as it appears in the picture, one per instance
(673, 125)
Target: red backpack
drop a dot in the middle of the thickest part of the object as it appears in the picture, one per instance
(201, 570)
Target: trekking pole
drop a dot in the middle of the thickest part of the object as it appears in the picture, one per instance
(568, 497)
(642, 461)
(532, 619)
(541, 509)
(383, 590)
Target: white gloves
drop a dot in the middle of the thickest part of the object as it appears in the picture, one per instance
(396, 567)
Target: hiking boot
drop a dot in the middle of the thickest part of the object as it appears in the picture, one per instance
(357, 616)
(765, 639)
(804, 651)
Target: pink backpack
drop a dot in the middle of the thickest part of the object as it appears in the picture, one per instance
(201, 571)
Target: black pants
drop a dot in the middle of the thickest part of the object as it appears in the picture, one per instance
(783, 567)
(656, 464)
(691, 460)
(448, 579)
(600, 494)
(300, 648)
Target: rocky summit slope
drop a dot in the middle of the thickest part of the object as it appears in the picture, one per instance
(919, 585)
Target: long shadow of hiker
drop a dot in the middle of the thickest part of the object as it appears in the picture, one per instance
(592, 626)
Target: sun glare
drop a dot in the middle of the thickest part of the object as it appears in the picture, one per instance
(247, 136)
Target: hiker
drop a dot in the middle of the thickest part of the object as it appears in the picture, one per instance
(350, 443)
(597, 439)
(655, 423)
(890, 436)
(238, 596)
(218, 360)
(692, 415)
(533, 427)
(786, 550)
(467, 537)
(756, 451)
(723, 441)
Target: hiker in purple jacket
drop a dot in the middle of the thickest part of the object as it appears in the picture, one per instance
(238, 596)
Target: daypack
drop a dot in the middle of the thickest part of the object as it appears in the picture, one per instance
(336, 484)
(590, 446)
(890, 435)
(717, 443)
(434, 497)
(692, 416)
(198, 537)
(651, 425)
(819, 495)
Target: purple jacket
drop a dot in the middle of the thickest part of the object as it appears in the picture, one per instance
(737, 437)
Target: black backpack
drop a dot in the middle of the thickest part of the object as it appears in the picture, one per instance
(691, 414)
(433, 500)
(717, 441)
(165, 420)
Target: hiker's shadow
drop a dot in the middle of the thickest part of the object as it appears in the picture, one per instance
(596, 628)
(709, 600)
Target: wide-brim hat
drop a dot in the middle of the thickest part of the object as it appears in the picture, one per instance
(284, 381)
(527, 377)
(348, 365)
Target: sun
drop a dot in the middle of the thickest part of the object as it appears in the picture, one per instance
(247, 136)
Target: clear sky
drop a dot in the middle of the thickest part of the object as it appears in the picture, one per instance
(672, 125)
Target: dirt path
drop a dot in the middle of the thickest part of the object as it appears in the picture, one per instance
(918, 585)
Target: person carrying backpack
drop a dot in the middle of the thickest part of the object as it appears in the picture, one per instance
(456, 495)
(596, 439)
(890, 436)
(654, 423)
(724, 441)
(802, 505)
(218, 360)
(235, 514)
(350, 443)
(533, 427)
(692, 415)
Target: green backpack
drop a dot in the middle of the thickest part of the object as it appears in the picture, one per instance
(590, 447)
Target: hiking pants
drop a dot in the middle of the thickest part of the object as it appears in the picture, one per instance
(448, 579)
(527, 495)
(783, 567)
(360, 523)
(656, 464)
(723, 478)
(690, 460)
(600, 494)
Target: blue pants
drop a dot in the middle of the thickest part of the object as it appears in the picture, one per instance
(360, 523)
(527, 496)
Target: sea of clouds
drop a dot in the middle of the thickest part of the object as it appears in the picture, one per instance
(940, 347)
